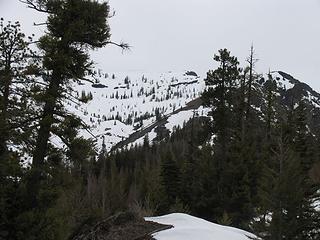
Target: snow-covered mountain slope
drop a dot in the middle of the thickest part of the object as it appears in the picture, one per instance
(123, 107)
(186, 227)
(299, 89)
(120, 104)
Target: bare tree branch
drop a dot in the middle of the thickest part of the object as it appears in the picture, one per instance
(112, 14)
(87, 128)
(83, 124)
(63, 139)
(122, 45)
(86, 79)
(31, 5)
(40, 24)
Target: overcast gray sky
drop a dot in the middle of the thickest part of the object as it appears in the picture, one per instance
(184, 34)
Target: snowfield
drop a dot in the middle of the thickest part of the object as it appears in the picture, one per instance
(186, 227)
(123, 103)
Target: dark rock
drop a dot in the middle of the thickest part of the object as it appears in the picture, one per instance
(184, 83)
(123, 226)
(191, 73)
(99, 85)
(123, 218)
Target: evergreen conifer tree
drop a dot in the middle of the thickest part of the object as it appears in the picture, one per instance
(170, 178)
(220, 96)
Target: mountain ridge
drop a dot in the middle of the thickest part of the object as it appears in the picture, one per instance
(151, 99)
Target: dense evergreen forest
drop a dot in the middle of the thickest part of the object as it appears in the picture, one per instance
(253, 163)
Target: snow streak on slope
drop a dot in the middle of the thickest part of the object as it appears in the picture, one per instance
(186, 227)
(124, 103)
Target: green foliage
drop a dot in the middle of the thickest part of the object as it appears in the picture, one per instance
(33, 200)
(225, 219)
(179, 207)
(14, 62)
(284, 194)
(170, 175)
(85, 97)
(80, 22)
(220, 93)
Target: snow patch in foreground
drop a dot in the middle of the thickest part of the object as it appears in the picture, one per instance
(186, 227)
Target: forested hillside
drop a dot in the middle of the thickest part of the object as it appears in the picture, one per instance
(79, 145)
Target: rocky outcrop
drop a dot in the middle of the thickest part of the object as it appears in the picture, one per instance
(123, 226)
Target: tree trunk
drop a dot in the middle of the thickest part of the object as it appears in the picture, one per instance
(36, 175)
(47, 120)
